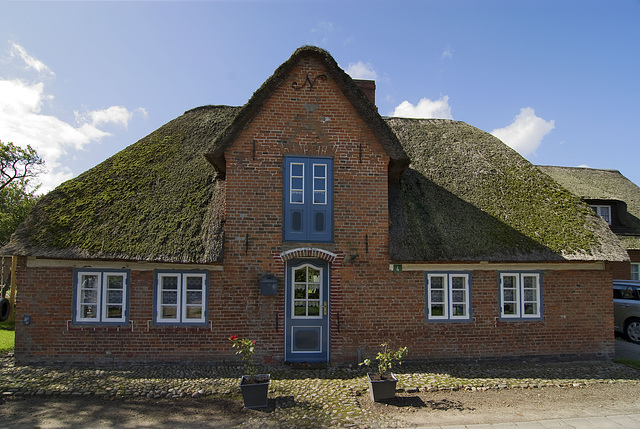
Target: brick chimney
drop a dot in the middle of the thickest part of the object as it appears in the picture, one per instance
(368, 87)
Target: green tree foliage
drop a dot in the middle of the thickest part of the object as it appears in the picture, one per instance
(18, 167)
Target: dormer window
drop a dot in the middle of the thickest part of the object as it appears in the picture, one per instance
(603, 211)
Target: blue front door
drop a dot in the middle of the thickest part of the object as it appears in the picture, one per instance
(307, 311)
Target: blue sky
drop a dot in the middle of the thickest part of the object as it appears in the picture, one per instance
(557, 80)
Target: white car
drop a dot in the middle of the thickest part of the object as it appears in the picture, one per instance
(626, 308)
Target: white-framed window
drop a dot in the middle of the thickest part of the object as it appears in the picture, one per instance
(603, 211)
(635, 271)
(101, 296)
(448, 296)
(520, 296)
(181, 297)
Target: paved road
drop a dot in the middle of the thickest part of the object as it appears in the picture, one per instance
(624, 350)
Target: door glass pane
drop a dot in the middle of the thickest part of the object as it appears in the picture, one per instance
(314, 308)
(314, 275)
(314, 292)
(300, 291)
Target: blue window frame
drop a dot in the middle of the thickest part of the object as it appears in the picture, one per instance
(308, 199)
(520, 296)
(181, 297)
(101, 296)
(448, 296)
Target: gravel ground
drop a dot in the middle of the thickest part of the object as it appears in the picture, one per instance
(208, 395)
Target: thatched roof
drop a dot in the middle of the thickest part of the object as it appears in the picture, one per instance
(157, 200)
(593, 184)
(465, 197)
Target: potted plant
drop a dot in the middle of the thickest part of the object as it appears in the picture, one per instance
(382, 384)
(254, 386)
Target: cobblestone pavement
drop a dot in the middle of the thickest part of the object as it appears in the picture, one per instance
(327, 397)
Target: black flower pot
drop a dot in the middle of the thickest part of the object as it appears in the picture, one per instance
(254, 392)
(382, 389)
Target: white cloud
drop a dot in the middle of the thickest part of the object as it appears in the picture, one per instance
(526, 131)
(361, 70)
(23, 123)
(30, 61)
(425, 109)
(117, 115)
(447, 53)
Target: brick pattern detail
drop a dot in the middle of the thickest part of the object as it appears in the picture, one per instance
(369, 304)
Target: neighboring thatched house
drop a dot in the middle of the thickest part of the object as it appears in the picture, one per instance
(616, 199)
(306, 221)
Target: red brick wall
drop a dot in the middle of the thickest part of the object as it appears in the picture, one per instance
(369, 304)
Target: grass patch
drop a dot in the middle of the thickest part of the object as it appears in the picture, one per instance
(633, 363)
(7, 340)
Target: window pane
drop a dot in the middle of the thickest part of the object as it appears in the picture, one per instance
(509, 282)
(319, 171)
(300, 275)
(320, 184)
(459, 310)
(437, 282)
(437, 296)
(437, 310)
(530, 309)
(114, 297)
(314, 292)
(509, 308)
(314, 276)
(170, 282)
(115, 282)
(299, 308)
(169, 312)
(458, 296)
(530, 295)
(314, 308)
(89, 311)
(194, 312)
(319, 197)
(89, 296)
(457, 283)
(297, 197)
(300, 291)
(635, 271)
(297, 169)
(194, 297)
(114, 312)
(509, 295)
(169, 298)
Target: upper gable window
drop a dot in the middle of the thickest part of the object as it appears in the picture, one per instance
(604, 212)
(308, 194)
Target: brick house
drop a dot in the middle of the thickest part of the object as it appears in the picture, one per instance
(616, 199)
(306, 221)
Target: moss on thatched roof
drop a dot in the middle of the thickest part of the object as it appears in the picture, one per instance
(605, 185)
(157, 200)
(468, 196)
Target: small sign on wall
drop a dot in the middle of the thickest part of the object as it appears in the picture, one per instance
(26, 319)
(397, 268)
